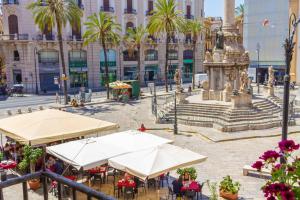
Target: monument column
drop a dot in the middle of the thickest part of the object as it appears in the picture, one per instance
(229, 15)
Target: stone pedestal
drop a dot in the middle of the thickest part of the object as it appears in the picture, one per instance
(204, 95)
(271, 91)
(242, 100)
(227, 96)
(181, 98)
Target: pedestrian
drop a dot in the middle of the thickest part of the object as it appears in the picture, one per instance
(190, 90)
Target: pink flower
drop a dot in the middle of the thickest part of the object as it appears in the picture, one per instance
(270, 156)
(277, 167)
(258, 165)
(288, 146)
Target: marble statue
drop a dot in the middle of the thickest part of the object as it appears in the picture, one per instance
(208, 57)
(271, 76)
(220, 39)
(177, 80)
(244, 80)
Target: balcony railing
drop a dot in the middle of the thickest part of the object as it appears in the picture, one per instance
(189, 16)
(173, 40)
(48, 37)
(10, 2)
(61, 180)
(74, 38)
(130, 11)
(107, 9)
(149, 12)
(14, 37)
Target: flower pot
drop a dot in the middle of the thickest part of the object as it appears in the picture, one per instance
(228, 195)
(34, 184)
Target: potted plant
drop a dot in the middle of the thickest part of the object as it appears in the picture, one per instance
(213, 190)
(30, 158)
(229, 189)
(189, 173)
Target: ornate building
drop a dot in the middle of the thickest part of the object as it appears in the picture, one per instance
(31, 55)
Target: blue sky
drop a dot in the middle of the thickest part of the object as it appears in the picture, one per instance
(214, 8)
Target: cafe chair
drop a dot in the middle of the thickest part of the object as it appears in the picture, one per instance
(110, 173)
(170, 193)
(129, 193)
(190, 194)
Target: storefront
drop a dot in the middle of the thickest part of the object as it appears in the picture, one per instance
(171, 71)
(112, 66)
(130, 72)
(78, 69)
(151, 72)
(187, 69)
(48, 70)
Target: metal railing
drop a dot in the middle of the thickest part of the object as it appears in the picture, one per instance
(130, 11)
(189, 16)
(43, 175)
(107, 9)
(14, 37)
(10, 2)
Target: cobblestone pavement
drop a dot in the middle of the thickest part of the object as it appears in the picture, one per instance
(224, 158)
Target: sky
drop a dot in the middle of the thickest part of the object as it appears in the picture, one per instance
(214, 8)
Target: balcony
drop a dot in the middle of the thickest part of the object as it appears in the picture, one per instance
(107, 9)
(48, 37)
(74, 38)
(173, 40)
(130, 11)
(10, 2)
(14, 37)
(149, 12)
(189, 16)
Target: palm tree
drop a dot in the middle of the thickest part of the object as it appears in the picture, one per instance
(166, 21)
(193, 28)
(51, 13)
(133, 40)
(103, 29)
(240, 11)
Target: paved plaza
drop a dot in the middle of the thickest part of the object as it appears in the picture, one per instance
(224, 158)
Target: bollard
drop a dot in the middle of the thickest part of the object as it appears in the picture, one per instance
(29, 110)
(19, 111)
(9, 112)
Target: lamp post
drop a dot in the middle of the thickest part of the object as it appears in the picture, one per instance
(35, 72)
(258, 71)
(175, 114)
(289, 50)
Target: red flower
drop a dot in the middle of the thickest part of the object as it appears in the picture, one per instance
(258, 165)
(270, 156)
(288, 195)
(277, 167)
(288, 146)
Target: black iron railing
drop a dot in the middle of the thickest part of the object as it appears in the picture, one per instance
(14, 37)
(130, 11)
(107, 9)
(189, 16)
(10, 2)
(44, 175)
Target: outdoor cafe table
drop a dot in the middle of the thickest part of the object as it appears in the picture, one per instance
(127, 184)
(8, 165)
(194, 186)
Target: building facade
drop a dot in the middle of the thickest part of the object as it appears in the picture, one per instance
(31, 56)
(265, 29)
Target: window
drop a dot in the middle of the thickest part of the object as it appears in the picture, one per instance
(77, 55)
(106, 4)
(76, 31)
(130, 56)
(188, 38)
(173, 55)
(16, 55)
(48, 32)
(48, 57)
(13, 24)
(129, 5)
(151, 54)
(129, 25)
(17, 76)
(188, 54)
(150, 5)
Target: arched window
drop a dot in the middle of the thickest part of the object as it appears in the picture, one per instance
(130, 56)
(13, 24)
(173, 54)
(151, 54)
(129, 25)
(48, 56)
(188, 54)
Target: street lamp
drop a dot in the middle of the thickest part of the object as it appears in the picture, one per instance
(289, 50)
(258, 72)
(35, 72)
(175, 114)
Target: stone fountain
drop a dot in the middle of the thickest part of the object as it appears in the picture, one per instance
(227, 65)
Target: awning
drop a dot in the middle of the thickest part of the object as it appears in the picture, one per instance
(93, 152)
(51, 125)
(152, 162)
(119, 85)
(188, 61)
